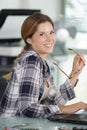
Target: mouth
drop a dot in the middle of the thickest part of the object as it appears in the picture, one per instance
(48, 45)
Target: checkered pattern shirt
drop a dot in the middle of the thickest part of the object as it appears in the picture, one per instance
(26, 87)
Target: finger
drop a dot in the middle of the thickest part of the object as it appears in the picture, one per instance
(82, 58)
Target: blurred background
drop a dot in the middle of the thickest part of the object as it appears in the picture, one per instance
(70, 20)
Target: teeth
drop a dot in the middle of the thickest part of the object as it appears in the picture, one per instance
(48, 45)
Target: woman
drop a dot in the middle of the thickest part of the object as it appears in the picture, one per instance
(30, 92)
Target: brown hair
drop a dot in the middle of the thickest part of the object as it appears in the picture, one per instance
(30, 25)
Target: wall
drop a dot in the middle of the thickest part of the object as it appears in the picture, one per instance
(49, 7)
(9, 4)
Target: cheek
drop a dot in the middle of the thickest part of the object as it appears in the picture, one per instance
(40, 40)
(37, 39)
(54, 39)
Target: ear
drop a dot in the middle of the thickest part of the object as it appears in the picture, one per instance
(28, 40)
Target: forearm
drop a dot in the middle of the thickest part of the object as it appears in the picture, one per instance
(68, 109)
(74, 78)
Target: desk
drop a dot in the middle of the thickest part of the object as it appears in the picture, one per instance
(41, 124)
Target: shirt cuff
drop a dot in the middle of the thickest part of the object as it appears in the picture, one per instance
(76, 82)
(70, 89)
(55, 109)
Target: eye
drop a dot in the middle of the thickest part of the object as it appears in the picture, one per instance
(52, 32)
(41, 34)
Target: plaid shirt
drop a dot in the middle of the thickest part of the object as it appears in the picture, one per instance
(26, 87)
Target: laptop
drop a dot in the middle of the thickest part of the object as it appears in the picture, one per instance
(77, 118)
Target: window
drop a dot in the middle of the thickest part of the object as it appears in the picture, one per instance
(76, 13)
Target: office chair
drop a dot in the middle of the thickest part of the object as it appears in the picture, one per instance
(3, 83)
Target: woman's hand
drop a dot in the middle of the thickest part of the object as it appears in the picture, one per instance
(69, 109)
(78, 64)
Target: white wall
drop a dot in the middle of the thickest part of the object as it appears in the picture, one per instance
(9, 4)
(49, 7)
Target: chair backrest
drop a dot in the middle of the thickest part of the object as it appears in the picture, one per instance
(3, 84)
(7, 76)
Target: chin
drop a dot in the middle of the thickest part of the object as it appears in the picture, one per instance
(49, 52)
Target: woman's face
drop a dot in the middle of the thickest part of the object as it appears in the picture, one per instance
(43, 39)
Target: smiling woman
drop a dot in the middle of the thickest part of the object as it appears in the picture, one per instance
(30, 91)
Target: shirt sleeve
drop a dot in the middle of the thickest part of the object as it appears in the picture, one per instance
(63, 94)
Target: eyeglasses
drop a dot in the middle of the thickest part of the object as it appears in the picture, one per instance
(61, 69)
(73, 51)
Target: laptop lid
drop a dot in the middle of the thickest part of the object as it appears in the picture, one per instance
(70, 118)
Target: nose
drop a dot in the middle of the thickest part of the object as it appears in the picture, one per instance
(48, 37)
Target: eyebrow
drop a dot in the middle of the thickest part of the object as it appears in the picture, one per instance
(44, 31)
